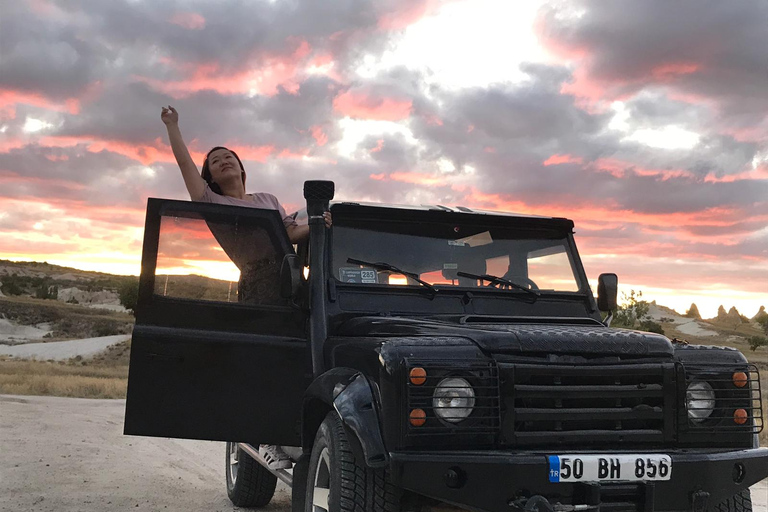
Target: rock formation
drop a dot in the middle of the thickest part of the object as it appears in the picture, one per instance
(693, 312)
(733, 317)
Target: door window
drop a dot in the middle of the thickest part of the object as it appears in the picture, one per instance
(229, 259)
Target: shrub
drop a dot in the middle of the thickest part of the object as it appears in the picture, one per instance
(763, 321)
(129, 293)
(650, 326)
(11, 285)
(756, 342)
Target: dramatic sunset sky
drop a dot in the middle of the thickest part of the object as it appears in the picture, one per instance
(643, 121)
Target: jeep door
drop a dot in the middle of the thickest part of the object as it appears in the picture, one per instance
(216, 353)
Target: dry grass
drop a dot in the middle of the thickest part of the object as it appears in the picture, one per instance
(105, 376)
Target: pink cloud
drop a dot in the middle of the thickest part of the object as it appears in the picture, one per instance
(562, 159)
(413, 178)
(9, 98)
(265, 75)
(11, 179)
(379, 146)
(319, 135)
(362, 105)
(188, 20)
(432, 119)
(619, 168)
(671, 70)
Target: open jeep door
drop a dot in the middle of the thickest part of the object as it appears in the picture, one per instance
(211, 358)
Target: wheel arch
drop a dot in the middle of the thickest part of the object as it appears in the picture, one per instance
(350, 394)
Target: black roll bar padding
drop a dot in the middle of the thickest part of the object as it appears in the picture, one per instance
(317, 193)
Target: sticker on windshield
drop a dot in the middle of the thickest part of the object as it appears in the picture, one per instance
(357, 275)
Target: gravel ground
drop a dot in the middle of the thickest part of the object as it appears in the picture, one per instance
(62, 350)
(69, 455)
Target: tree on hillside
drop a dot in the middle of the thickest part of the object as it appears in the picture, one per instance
(128, 291)
(756, 342)
(47, 291)
(11, 285)
(632, 313)
(693, 312)
(763, 321)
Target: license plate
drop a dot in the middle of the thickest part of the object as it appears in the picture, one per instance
(609, 468)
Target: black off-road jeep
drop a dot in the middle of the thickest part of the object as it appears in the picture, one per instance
(422, 356)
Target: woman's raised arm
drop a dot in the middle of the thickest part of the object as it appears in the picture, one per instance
(192, 179)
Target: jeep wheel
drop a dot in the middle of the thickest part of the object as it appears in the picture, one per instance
(338, 482)
(249, 484)
(741, 502)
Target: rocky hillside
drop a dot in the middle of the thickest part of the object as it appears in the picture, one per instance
(52, 282)
(44, 302)
(727, 329)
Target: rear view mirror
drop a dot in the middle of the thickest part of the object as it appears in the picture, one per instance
(607, 292)
(290, 276)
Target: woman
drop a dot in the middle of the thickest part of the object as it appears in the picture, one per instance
(222, 181)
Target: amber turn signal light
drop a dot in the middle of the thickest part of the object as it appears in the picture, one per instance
(418, 376)
(740, 416)
(740, 379)
(417, 417)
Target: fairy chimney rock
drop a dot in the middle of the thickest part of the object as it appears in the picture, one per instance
(721, 314)
(693, 312)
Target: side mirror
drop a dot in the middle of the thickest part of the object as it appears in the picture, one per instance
(607, 292)
(290, 276)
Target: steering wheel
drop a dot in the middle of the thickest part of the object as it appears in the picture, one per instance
(521, 280)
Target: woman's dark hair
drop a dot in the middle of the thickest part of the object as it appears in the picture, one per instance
(207, 172)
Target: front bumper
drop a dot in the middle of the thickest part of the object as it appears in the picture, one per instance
(499, 481)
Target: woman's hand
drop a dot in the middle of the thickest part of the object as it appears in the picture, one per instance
(328, 220)
(169, 116)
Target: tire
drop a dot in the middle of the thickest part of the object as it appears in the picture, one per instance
(741, 502)
(337, 482)
(249, 484)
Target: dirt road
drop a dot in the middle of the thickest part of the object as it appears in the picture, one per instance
(61, 350)
(69, 455)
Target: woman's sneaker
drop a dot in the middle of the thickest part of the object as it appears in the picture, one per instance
(275, 456)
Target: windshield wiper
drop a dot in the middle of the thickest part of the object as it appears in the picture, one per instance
(386, 266)
(501, 281)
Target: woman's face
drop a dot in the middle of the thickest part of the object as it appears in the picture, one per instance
(223, 165)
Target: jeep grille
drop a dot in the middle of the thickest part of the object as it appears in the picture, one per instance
(574, 406)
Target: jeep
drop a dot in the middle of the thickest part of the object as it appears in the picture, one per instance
(426, 357)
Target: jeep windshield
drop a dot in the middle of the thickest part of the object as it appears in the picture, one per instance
(455, 250)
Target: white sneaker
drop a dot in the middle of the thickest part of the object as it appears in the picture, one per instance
(275, 456)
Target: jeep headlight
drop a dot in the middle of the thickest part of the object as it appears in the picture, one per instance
(699, 400)
(453, 399)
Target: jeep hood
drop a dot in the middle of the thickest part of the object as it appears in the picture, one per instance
(518, 337)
